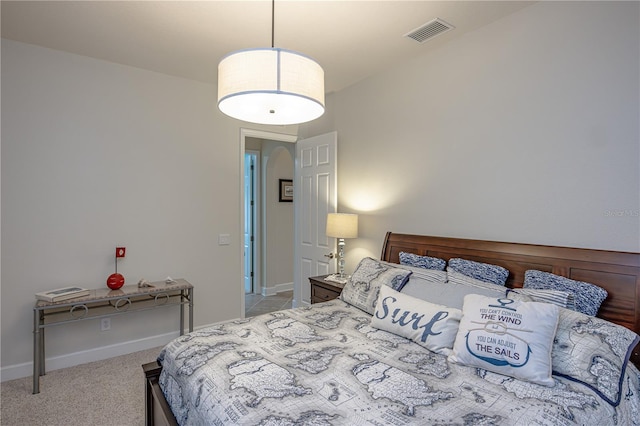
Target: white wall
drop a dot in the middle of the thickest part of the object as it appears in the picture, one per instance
(279, 219)
(95, 155)
(525, 131)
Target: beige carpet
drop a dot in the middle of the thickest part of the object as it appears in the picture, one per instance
(101, 393)
(109, 392)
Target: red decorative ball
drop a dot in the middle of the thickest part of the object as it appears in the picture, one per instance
(115, 281)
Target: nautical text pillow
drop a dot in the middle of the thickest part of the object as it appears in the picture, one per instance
(507, 336)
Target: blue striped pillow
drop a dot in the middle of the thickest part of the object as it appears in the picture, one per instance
(564, 299)
(426, 262)
(480, 271)
(587, 297)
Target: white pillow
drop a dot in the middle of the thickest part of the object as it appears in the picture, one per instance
(429, 325)
(508, 337)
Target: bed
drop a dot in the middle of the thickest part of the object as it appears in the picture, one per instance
(326, 364)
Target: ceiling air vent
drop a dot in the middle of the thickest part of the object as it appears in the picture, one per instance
(429, 30)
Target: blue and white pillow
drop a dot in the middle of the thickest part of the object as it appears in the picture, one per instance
(481, 271)
(507, 337)
(587, 297)
(426, 262)
(363, 286)
(593, 352)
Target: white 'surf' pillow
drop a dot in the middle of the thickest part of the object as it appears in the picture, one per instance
(508, 337)
(429, 325)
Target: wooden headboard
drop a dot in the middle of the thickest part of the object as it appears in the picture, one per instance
(616, 272)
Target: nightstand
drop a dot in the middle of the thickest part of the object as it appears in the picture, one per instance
(322, 290)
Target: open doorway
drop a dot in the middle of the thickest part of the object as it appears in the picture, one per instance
(267, 223)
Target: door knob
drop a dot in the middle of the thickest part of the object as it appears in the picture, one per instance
(330, 255)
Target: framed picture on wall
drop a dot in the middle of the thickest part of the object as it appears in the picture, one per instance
(286, 190)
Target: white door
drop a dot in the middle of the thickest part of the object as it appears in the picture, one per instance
(315, 195)
(250, 159)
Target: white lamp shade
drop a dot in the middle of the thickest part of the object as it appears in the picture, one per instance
(270, 86)
(342, 225)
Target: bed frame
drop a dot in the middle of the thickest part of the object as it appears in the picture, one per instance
(616, 272)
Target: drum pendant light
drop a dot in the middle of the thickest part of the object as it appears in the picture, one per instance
(270, 85)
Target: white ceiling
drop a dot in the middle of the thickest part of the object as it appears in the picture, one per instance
(351, 39)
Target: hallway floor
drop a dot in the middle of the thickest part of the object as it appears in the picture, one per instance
(256, 304)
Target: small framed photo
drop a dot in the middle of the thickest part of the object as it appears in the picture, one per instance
(286, 191)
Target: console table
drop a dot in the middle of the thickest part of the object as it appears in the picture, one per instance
(106, 303)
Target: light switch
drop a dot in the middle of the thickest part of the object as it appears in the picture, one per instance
(224, 239)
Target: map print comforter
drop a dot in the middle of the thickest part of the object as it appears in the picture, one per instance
(325, 365)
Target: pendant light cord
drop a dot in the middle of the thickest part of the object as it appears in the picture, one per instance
(273, 15)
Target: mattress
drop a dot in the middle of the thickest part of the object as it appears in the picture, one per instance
(325, 365)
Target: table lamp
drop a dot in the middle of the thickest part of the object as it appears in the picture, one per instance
(341, 226)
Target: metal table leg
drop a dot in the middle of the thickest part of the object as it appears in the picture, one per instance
(190, 310)
(182, 296)
(36, 351)
(43, 367)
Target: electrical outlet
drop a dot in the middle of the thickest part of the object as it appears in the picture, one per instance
(105, 324)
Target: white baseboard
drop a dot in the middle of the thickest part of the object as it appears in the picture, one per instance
(18, 371)
(278, 288)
